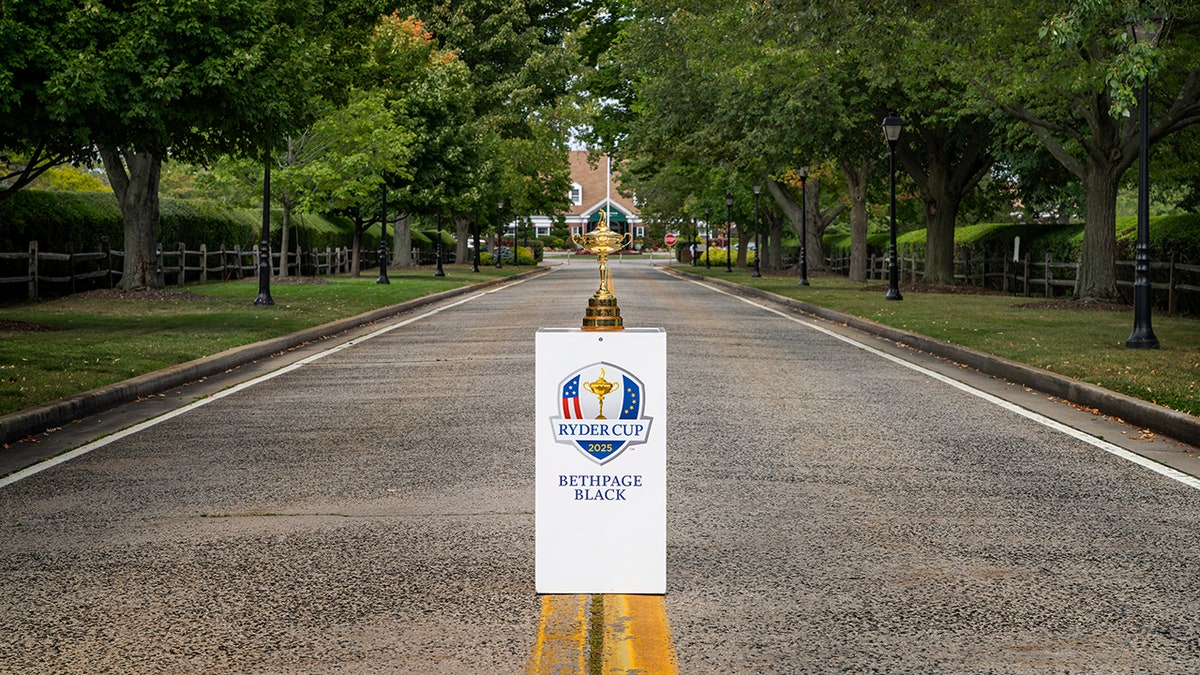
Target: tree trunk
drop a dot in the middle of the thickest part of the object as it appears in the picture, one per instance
(288, 204)
(941, 212)
(744, 236)
(1097, 278)
(134, 177)
(285, 201)
(947, 161)
(776, 248)
(856, 183)
(818, 221)
(785, 202)
(402, 242)
(462, 234)
(356, 245)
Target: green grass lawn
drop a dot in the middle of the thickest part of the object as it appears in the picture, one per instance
(88, 342)
(1085, 344)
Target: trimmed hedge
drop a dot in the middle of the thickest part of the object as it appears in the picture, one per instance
(59, 221)
(62, 221)
(1168, 234)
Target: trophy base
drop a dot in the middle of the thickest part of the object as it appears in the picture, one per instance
(602, 314)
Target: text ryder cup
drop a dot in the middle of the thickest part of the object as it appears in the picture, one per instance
(602, 430)
(599, 487)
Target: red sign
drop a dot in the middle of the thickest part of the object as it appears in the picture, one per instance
(669, 239)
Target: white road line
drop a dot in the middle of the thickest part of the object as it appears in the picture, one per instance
(142, 426)
(1161, 469)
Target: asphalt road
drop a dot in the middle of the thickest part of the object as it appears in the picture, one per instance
(830, 509)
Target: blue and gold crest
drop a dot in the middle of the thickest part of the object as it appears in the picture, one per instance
(601, 412)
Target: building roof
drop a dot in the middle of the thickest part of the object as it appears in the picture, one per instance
(591, 179)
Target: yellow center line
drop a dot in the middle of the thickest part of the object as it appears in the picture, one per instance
(636, 636)
(561, 644)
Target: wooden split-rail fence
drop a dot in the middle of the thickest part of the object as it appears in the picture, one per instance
(1175, 283)
(73, 272)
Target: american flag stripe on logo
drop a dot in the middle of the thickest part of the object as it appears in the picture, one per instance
(570, 400)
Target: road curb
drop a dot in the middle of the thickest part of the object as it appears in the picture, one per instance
(1156, 418)
(36, 419)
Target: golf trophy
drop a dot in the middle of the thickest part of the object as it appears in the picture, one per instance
(602, 312)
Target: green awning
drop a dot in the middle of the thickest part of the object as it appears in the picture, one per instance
(615, 216)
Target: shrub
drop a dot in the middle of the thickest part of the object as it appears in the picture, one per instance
(525, 256)
(718, 257)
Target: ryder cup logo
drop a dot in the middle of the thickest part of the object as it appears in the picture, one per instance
(586, 395)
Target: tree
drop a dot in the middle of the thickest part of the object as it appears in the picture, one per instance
(343, 160)
(147, 81)
(1073, 88)
(31, 143)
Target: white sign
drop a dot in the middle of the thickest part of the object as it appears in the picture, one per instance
(601, 512)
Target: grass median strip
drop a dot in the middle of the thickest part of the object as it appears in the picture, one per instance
(1084, 341)
(57, 348)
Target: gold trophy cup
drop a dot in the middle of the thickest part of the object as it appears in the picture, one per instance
(602, 312)
(600, 388)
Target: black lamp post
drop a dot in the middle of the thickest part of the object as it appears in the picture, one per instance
(264, 298)
(499, 235)
(1142, 337)
(440, 272)
(891, 131)
(383, 254)
(804, 226)
(757, 245)
(728, 232)
(707, 237)
(695, 235)
(516, 233)
(475, 234)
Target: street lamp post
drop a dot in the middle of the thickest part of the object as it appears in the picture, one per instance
(264, 298)
(516, 233)
(383, 277)
(757, 245)
(804, 226)
(440, 272)
(728, 232)
(707, 237)
(891, 131)
(499, 236)
(1143, 336)
(695, 235)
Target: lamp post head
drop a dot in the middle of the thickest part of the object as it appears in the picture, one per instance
(1148, 30)
(803, 174)
(757, 189)
(728, 199)
(891, 127)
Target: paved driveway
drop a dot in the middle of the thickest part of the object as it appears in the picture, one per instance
(830, 510)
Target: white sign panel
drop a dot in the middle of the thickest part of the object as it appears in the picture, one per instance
(601, 461)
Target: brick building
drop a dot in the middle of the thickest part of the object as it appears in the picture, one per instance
(591, 193)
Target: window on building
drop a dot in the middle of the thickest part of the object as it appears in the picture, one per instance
(577, 194)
